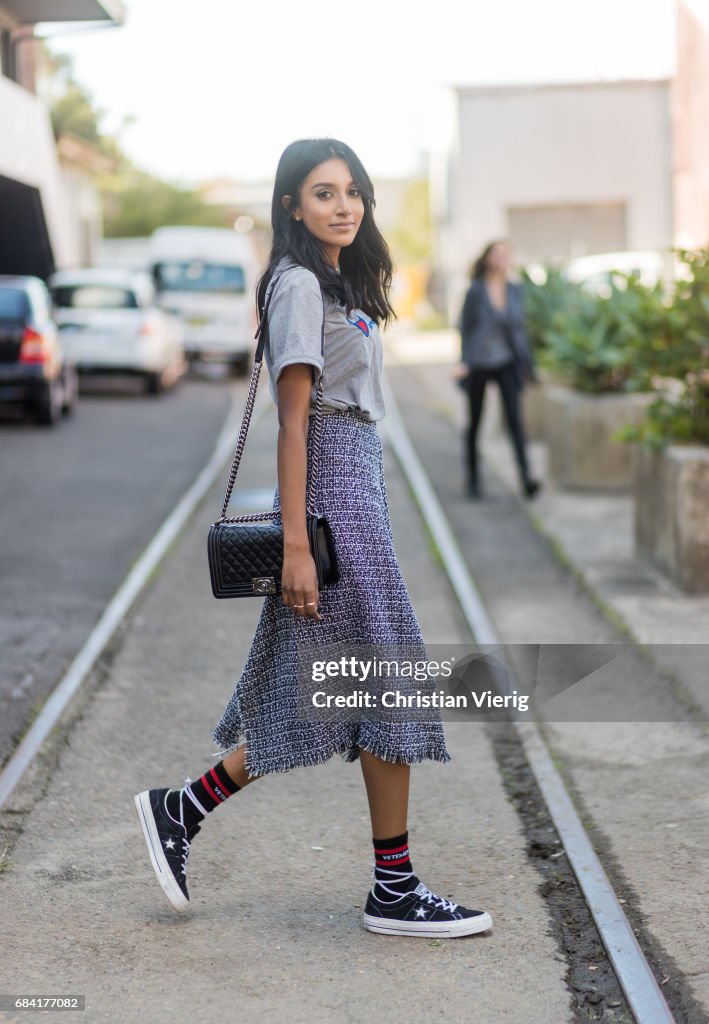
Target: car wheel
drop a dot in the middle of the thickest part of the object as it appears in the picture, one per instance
(71, 391)
(174, 374)
(153, 383)
(48, 407)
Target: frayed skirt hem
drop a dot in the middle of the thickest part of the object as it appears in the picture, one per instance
(349, 752)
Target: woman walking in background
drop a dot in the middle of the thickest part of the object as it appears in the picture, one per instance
(327, 281)
(495, 347)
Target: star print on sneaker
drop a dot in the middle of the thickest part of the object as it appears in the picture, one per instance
(168, 843)
(421, 912)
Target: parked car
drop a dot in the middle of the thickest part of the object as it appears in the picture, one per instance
(597, 273)
(109, 322)
(34, 370)
(206, 276)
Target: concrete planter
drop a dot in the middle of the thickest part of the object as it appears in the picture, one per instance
(578, 428)
(533, 406)
(672, 512)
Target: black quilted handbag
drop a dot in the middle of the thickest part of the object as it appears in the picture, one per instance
(246, 552)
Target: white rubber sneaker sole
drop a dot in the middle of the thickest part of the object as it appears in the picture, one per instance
(429, 929)
(157, 858)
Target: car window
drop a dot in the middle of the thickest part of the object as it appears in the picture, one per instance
(40, 302)
(94, 296)
(14, 305)
(199, 276)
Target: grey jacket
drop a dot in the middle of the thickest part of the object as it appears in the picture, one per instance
(477, 319)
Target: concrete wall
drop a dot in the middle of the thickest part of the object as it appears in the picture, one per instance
(671, 524)
(549, 148)
(84, 202)
(28, 155)
(690, 111)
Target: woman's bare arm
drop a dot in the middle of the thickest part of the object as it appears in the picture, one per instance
(299, 583)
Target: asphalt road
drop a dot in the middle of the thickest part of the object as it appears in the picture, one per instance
(79, 504)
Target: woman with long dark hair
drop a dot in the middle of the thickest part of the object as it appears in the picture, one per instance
(328, 264)
(495, 347)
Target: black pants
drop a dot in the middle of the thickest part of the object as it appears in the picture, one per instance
(510, 391)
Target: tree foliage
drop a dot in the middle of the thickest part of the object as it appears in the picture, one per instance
(410, 238)
(135, 202)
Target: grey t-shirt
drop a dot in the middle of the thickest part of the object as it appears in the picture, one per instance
(352, 366)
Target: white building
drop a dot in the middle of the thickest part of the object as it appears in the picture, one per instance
(38, 229)
(574, 169)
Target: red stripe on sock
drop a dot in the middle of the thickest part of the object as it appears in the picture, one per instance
(394, 849)
(209, 788)
(219, 782)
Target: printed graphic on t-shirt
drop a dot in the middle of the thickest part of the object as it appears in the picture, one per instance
(363, 324)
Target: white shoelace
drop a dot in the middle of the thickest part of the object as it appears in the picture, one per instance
(188, 792)
(430, 897)
(398, 876)
(185, 855)
(185, 841)
(437, 901)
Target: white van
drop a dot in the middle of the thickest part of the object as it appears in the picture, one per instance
(206, 277)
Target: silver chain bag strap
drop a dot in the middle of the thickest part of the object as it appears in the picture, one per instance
(246, 552)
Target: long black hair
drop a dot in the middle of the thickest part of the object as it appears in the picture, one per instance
(365, 265)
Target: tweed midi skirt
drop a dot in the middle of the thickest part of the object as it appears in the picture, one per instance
(368, 605)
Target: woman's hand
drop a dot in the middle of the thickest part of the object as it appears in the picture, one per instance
(299, 583)
(460, 374)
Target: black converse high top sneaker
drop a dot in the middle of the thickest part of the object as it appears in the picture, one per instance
(168, 843)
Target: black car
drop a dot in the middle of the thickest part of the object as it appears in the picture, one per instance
(33, 369)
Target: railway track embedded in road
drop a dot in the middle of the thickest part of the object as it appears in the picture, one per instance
(644, 996)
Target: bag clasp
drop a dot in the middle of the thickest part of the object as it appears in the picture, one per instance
(263, 585)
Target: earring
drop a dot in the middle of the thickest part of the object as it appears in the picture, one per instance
(296, 216)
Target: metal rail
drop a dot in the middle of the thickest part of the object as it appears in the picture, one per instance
(645, 998)
(119, 606)
(634, 974)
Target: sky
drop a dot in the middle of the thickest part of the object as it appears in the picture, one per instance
(219, 88)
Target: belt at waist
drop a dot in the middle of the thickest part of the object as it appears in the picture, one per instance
(330, 410)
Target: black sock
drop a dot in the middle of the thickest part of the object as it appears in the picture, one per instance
(200, 797)
(392, 867)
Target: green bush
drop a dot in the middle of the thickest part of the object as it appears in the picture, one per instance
(675, 363)
(542, 302)
(633, 339)
(584, 344)
(591, 341)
